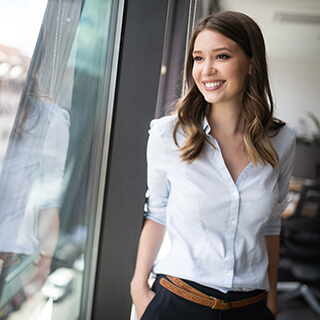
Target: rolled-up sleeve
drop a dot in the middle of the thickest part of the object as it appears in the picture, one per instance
(286, 165)
(158, 183)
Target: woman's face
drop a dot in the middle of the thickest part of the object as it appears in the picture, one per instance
(220, 68)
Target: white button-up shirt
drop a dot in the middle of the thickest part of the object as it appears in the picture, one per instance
(31, 175)
(216, 226)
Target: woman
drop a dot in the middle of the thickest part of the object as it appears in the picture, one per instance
(218, 176)
(30, 193)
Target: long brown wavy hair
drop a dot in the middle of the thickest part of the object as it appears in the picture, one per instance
(258, 104)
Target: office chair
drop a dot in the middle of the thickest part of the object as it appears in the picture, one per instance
(300, 251)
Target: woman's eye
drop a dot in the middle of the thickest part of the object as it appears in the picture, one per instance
(222, 57)
(197, 59)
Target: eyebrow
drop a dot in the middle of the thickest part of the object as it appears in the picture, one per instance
(215, 50)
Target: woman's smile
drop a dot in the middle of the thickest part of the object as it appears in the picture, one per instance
(213, 85)
(220, 68)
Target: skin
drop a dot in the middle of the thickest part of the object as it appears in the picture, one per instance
(273, 245)
(220, 60)
(150, 241)
(48, 238)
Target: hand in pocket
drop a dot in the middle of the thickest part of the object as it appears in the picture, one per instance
(141, 301)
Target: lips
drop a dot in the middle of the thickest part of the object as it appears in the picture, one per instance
(213, 84)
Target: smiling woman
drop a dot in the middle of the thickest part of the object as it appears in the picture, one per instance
(220, 68)
(254, 102)
(209, 163)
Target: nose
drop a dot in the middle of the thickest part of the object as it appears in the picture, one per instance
(208, 68)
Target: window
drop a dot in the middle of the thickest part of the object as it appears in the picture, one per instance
(54, 163)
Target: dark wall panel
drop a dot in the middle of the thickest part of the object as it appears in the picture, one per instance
(139, 71)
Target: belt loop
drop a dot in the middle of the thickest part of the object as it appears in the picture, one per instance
(216, 302)
(221, 304)
(226, 304)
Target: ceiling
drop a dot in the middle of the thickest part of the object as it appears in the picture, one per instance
(290, 40)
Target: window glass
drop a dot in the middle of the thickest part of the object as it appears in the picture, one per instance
(17, 42)
(56, 88)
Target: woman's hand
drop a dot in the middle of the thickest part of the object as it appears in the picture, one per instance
(40, 274)
(272, 303)
(149, 245)
(141, 297)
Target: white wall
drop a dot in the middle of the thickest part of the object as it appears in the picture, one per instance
(296, 88)
(294, 54)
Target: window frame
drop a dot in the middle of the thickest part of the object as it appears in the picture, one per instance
(134, 106)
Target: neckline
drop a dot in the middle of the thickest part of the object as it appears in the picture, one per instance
(241, 177)
(242, 174)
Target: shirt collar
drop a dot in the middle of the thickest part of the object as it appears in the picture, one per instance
(206, 126)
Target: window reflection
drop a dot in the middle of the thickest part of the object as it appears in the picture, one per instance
(51, 161)
(30, 190)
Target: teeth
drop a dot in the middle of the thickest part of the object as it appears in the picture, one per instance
(213, 84)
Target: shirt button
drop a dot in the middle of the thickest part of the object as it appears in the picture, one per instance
(229, 274)
(235, 193)
(233, 222)
(230, 246)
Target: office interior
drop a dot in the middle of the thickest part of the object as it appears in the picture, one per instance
(114, 65)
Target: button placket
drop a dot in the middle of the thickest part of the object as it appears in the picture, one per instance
(232, 228)
(233, 218)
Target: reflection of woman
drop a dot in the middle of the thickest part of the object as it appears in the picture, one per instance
(30, 185)
(220, 193)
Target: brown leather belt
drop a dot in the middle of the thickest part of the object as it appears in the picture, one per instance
(183, 290)
(9, 259)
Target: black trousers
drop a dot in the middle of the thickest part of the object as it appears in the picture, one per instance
(168, 306)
